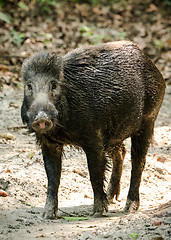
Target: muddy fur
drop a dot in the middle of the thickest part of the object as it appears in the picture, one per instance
(95, 96)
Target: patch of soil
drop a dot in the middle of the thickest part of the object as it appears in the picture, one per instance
(23, 177)
(68, 25)
(63, 27)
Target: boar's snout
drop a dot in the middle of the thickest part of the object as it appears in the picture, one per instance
(43, 121)
(42, 125)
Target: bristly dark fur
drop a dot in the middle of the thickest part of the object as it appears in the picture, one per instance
(42, 63)
(94, 97)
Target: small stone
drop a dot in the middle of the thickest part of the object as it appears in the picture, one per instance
(167, 220)
(156, 222)
(159, 167)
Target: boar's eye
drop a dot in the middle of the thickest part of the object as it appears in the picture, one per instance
(54, 85)
(29, 86)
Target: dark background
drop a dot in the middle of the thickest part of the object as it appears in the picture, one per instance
(29, 26)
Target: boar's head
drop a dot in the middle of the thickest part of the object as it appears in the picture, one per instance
(43, 99)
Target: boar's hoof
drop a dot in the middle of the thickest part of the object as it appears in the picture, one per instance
(50, 212)
(100, 207)
(131, 206)
(110, 200)
(111, 194)
(42, 125)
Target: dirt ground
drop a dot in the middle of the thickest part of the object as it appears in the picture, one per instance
(61, 28)
(23, 177)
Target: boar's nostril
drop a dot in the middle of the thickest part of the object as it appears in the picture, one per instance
(42, 125)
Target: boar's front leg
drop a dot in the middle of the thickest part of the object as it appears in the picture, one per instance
(52, 154)
(97, 164)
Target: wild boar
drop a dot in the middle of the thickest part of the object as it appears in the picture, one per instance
(94, 97)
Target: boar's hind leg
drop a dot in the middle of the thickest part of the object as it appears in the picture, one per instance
(140, 143)
(97, 164)
(117, 155)
(52, 159)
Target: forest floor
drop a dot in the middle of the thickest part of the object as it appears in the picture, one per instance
(22, 175)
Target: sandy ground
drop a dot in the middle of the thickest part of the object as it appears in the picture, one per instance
(23, 177)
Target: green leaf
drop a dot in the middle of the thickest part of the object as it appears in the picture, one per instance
(133, 235)
(168, 2)
(159, 44)
(85, 29)
(21, 35)
(75, 218)
(5, 17)
(18, 37)
(48, 36)
(23, 6)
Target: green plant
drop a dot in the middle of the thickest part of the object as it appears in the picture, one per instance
(159, 44)
(121, 35)
(134, 235)
(23, 6)
(92, 36)
(4, 17)
(18, 37)
(48, 2)
(168, 2)
(47, 37)
(75, 218)
(31, 155)
(46, 5)
(95, 2)
(2, 2)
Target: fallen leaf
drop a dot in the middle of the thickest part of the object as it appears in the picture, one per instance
(14, 105)
(92, 226)
(3, 193)
(161, 159)
(159, 167)
(75, 218)
(7, 136)
(152, 8)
